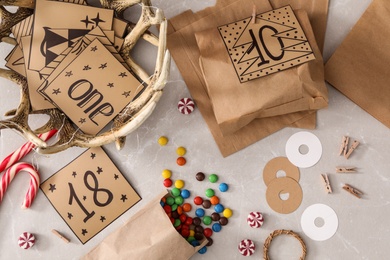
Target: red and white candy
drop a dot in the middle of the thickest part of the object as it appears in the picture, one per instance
(26, 240)
(246, 247)
(186, 106)
(34, 181)
(255, 219)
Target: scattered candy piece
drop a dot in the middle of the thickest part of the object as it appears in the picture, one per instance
(185, 194)
(203, 250)
(170, 201)
(207, 220)
(223, 221)
(187, 207)
(162, 140)
(166, 174)
(175, 192)
(219, 208)
(246, 247)
(214, 200)
(181, 151)
(206, 204)
(223, 187)
(216, 227)
(215, 216)
(199, 212)
(196, 221)
(255, 219)
(179, 200)
(26, 240)
(207, 232)
(200, 176)
(186, 106)
(227, 213)
(209, 193)
(181, 161)
(198, 200)
(167, 182)
(210, 241)
(213, 178)
(179, 184)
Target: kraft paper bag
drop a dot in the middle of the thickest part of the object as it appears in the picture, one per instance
(237, 103)
(360, 66)
(317, 10)
(148, 235)
(183, 47)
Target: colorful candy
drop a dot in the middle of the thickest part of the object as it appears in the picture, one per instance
(181, 151)
(207, 220)
(207, 232)
(185, 194)
(203, 250)
(166, 174)
(179, 184)
(186, 106)
(214, 200)
(162, 140)
(223, 221)
(223, 187)
(26, 240)
(175, 192)
(255, 219)
(186, 207)
(206, 204)
(213, 178)
(198, 200)
(216, 227)
(199, 212)
(227, 213)
(200, 176)
(181, 161)
(167, 182)
(246, 247)
(209, 193)
(219, 208)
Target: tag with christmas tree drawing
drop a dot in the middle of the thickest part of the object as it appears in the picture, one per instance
(273, 42)
(93, 89)
(89, 193)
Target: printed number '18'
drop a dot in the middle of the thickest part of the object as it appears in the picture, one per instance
(95, 190)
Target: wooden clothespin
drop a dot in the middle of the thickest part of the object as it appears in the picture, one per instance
(343, 169)
(253, 14)
(58, 234)
(344, 145)
(326, 181)
(351, 149)
(355, 192)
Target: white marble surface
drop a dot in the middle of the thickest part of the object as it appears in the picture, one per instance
(364, 224)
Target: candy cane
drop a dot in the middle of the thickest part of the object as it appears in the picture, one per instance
(34, 182)
(23, 151)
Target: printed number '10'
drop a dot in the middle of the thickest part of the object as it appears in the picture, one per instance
(255, 44)
(95, 190)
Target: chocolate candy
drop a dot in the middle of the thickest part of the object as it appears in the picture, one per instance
(167, 209)
(179, 200)
(174, 207)
(203, 250)
(206, 204)
(177, 222)
(199, 212)
(207, 220)
(214, 200)
(190, 238)
(181, 161)
(196, 221)
(223, 187)
(179, 184)
(170, 201)
(188, 221)
(199, 229)
(207, 232)
(210, 241)
(223, 221)
(175, 192)
(162, 140)
(215, 216)
(185, 194)
(200, 176)
(227, 213)
(213, 178)
(166, 174)
(219, 208)
(198, 236)
(185, 233)
(179, 210)
(181, 151)
(209, 193)
(216, 227)
(198, 200)
(187, 207)
(167, 182)
(175, 215)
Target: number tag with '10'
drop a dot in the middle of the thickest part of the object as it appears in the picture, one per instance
(89, 193)
(275, 41)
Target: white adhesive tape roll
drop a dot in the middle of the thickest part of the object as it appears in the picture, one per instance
(296, 157)
(324, 212)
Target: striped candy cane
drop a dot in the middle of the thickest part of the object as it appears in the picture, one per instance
(34, 182)
(23, 151)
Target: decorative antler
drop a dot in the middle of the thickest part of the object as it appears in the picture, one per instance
(129, 119)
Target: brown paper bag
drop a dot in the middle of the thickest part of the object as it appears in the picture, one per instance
(236, 103)
(359, 67)
(149, 235)
(317, 10)
(183, 47)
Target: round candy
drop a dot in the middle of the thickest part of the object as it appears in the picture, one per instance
(170, 201)
(181, 161)
(186, 106)
(255, 219)
(207, 220)
(200, 176)
(185, 194)
(209, 193)
(162, 140)
(177, 222)
(175, 192)
(206, 204)
(216, 227)
(207, 232)
(199, 212)
(166, 174)
(191, 238)
(199, 229)
(162, 203)
(26, 240)
(195, 243)
(227, 213)
(188, 221)
(196, 221)
(198, 200)
(223, 221)
(213, 178)
(174, 214)
(203, 250)
(210, 241)
(167, 182)
(214, 200)
(181, 151)
(185, 233)
(179, 200)
(246, 247)
(179, 184)
(179, 210)
(192, 233)
(174, 207)
(199, 236)
(223, 187)
(187, 207)
(215, 216)
(167, 209)
(219, 208)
